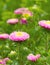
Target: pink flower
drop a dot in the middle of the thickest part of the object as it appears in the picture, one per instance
(33, 58)
(4, 36)
(20, 10)
(45, 24)
(18, 36)
(3, 61)
(12, 21)
(23, 21)
(23, 11)
(27, 14)
(37, 56)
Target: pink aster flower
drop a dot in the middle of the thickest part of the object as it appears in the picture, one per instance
(12, 21)
(23, 21)
(27, 14)
(45, 24)
(3, 61)
(23, 11)
(33, 58)
(18, 36)
(4, 36)
(20, 10)
(37, 56)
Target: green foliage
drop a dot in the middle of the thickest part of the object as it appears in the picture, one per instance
(17, 52)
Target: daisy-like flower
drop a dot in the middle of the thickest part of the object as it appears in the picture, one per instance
(24, 11)
(3, 61)
(23, 21)
(4, 36)
(20, 10)
(12, 21)
(33, 58)
(27, 14)
(18, 36)
(45, 24)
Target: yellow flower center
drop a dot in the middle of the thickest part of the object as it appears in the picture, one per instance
(26, 15)
(47, 22)
(19, 34)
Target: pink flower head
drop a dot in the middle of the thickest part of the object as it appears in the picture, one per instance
(12, 21)
(45, 24)
(23, 21)
(3, 61)
(4, 36)
(33, 58)
(20, 10)
(27, 14)
(18, 36)
(37, 56)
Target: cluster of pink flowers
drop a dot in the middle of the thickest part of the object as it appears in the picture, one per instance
(3, 61)
(16, 36)
(33, 58)
(22, 36)
(25, 13)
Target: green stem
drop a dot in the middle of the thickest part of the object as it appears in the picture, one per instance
(20, 55)
(46, 42)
